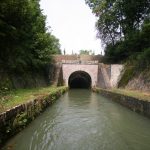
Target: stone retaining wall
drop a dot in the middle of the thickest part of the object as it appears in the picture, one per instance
(109, 75)
(14, 120)
(137, 105)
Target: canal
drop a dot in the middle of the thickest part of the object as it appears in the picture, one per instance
(82, 120)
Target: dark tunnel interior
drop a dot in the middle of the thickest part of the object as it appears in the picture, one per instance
(80, 79)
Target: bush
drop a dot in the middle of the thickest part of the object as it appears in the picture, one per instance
(143, 60)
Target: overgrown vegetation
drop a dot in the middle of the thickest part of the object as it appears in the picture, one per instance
(20, 96)
(134, 48)
(128, 73)
(124, 28)
(25, 43)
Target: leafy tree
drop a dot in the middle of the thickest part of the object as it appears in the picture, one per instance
(135, 44)
(121, 26)
(118, 18)
(85, 52)
(24, 40)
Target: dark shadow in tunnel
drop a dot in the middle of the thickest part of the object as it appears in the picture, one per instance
(79, 79)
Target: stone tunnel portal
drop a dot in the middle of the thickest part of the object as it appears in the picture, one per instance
(79, 79)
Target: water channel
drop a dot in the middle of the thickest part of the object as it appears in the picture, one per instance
(82, 120)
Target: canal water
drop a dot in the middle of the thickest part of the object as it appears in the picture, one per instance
(82, 120)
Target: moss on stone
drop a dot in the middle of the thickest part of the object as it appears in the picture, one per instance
(20, 96)
(127, 76)
(17, 118)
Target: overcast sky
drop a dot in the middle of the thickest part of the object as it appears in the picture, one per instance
(73, 23)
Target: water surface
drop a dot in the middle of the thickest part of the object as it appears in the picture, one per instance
(82, 120)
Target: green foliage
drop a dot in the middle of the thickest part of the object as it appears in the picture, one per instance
(21, 121)
(20, 96)
(143, 60)
(140, 65)
(124, 28)
(86, 52)
(131, 48)
(24, 40)
(5, 86)
(118, 18)
(127, 76)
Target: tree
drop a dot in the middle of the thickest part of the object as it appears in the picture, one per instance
(117, 19)
(120, 26)
(24, 39)
(85, 52)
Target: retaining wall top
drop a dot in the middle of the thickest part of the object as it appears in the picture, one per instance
(60, 58)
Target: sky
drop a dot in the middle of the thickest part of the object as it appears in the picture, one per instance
(73, 23)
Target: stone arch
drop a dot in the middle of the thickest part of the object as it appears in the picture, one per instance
(79, 79)
(68, 69)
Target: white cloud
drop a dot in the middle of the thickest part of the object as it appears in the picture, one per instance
(73, 23)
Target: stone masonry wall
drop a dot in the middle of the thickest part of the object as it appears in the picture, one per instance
(15, 119)
(115, 74)
(60, 58)
(109, 75)
(68, 69)
(137, 105)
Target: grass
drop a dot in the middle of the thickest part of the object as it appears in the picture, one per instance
(127, 76)
(133, 93)
(21, 96)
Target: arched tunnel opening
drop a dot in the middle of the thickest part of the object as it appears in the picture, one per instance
(80, 79)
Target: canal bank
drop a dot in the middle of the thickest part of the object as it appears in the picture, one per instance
(83, 120)
(136, 102)
(17, 118)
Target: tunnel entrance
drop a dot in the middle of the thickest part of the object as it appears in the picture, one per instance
(79, 79)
